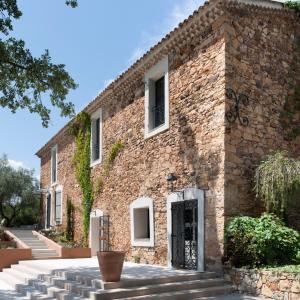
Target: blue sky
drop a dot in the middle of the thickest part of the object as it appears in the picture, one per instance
(96, 41)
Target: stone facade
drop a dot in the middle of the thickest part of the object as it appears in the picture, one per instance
(261, 58)
(233, 46)
(270, 285)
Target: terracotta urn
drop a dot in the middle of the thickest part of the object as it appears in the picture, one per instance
(111, 265)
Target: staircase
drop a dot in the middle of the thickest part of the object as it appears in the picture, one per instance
(39, 249)
(32, 282)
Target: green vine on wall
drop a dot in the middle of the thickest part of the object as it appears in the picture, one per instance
(81, 130)
(290, 116)
(115, 149)
(70, 220)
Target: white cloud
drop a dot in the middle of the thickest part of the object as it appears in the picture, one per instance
(17, 164)
(178, 13)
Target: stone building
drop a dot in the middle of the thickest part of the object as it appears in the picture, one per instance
(175, 110)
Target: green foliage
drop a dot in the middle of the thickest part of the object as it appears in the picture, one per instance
(293, 5)
(111, 156)
(61, 238)
(277, 179)
(260, 241)
(81, 129)
(115, 149)
(26, 79)
(19, 202)
(285, 269)
(72, 3)
(99, 186)
(70, 220)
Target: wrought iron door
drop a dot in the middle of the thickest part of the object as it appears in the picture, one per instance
(185, 234)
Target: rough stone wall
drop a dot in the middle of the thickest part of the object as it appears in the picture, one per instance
(270, 285)
(256, 54)
(261, 48)
(194, 143)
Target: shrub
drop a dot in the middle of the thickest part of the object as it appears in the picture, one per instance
(261, 241)
(277, 180)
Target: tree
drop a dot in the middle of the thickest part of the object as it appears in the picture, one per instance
(277, 182)
(25, 79)
(18, 197)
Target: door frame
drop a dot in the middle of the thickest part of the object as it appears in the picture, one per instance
(94, 232)
(188, 194)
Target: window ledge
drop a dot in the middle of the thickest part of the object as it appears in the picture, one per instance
(95, 163)
(157, 130)
(142, 243)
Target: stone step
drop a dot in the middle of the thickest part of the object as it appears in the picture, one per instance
(34, 242)
(183, 294)
(31, 270)
(19, 274)
(125, 283)
(5, 286)
(11, 280)
(157, 289)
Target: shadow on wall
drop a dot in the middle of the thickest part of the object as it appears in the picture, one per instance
(202, 171)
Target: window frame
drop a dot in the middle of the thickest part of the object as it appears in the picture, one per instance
(59, 189)
(96, 115)
(54, 148)
(161, 69)
(142, 202)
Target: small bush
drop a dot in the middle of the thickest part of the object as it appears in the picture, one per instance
(260, 242)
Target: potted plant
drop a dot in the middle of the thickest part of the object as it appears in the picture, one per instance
(111, 265)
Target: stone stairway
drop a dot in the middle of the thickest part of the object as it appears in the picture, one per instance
(34, 281)
(39, 249)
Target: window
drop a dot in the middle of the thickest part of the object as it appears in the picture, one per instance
(142, 224)
(157, 99)
(58, 211)
(96, 137)
(54, 164)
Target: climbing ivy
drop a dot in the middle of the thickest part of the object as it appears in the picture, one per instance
(81, 130)
(107, 165)
(70, 220)
(111, 156)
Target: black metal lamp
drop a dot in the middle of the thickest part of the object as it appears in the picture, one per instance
(170, 179)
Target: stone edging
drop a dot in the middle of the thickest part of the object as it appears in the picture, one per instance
(270, 284)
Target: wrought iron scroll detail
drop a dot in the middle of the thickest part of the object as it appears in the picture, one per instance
(234, 113)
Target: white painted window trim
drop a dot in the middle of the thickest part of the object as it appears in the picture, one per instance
(189, 194)
(142, 202)
(156, 72)
(94, 231)
(97, 114)
(59, 188)
(56, 154)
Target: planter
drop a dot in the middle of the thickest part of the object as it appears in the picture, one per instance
(13, 256)
(75, 252)
(111, 265)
